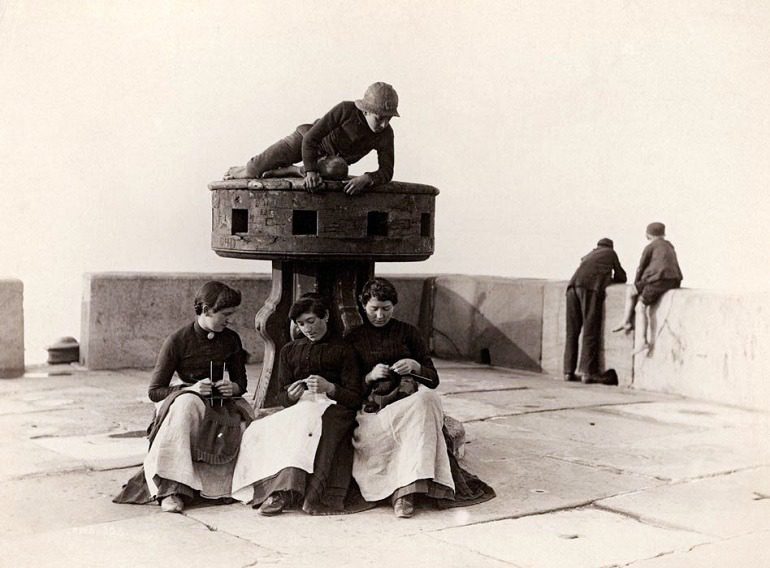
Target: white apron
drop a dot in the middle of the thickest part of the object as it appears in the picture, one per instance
(288, 438)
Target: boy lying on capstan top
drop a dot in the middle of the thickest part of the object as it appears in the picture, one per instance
(344, 135)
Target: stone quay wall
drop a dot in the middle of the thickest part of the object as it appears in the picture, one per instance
(709, 345)
(12, 330)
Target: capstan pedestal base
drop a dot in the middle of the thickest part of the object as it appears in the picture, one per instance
(339, 282)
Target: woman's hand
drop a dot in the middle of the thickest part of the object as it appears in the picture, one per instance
(358, 184)
(227, 388)
(406, 366)
(379, 371)
(317, 384)
(203, 387)
(295, 390)
(312, 180)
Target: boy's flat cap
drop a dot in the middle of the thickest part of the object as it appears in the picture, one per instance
(656, 229)
(379, 98)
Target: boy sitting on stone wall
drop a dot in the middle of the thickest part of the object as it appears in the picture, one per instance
(658, 272)
(344, 135)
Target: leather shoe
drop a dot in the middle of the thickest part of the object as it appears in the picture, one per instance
(172, 504)
(571, 377)
(273, 505)
(403, 507)
(610, 377)
(592, 379)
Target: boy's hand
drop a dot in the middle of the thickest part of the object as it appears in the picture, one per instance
(312, 180)
(358, 184)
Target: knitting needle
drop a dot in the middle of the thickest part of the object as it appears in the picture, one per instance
(225, 377)
(211, 380)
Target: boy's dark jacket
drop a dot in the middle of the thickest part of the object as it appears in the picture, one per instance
(343, 132)
(596, 270)
(658, 262)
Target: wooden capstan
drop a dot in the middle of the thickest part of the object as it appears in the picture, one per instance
(326, 241)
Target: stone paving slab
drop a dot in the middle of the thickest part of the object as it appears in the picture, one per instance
(527, 481)
(10, 406)
(45, 454)
(573, 539)
(466, 410)
(63, 395)
(693, 413)
(160, 539)
(746, 551)
(322, 532)
(678, 457)
(535, 485)
(511, 402)
(592, 426)
(35, 505)
(100, 451)
(81, 420)
(724, 506)
(25, 458)
(469, 378)
(413, 551)
(492, 442)
(52, 379)
(502, 441)
(293, 531)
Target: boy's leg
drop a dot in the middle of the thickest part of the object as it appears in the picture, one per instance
(648, 330)
(288, 171)
(574, 323)
(632, 295)
(650, 296)
(592, 303)
(643, 312)
(284, 153)
(294, 141)
(330, 167)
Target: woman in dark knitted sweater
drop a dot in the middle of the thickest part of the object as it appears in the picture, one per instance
(304, 454)
(400, 448)
(180, 464)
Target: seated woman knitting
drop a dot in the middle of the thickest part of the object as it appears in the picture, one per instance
(303, 454)
(197, 382)
(401, 443)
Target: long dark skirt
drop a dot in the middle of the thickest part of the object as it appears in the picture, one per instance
(325, 490)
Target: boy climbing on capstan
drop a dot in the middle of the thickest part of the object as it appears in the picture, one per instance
(344, 135)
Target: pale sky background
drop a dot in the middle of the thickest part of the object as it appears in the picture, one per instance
(546, 125)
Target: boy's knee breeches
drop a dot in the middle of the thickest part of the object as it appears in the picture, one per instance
(285, 152)
(651, 292)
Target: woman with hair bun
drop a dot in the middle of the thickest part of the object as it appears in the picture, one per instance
(400, 443)
(302, 456)
(197, 382)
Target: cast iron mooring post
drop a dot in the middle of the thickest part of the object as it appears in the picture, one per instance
(325, 242)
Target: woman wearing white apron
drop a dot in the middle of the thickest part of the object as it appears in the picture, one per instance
(400, 444)
(197, 382)
(303, 454)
